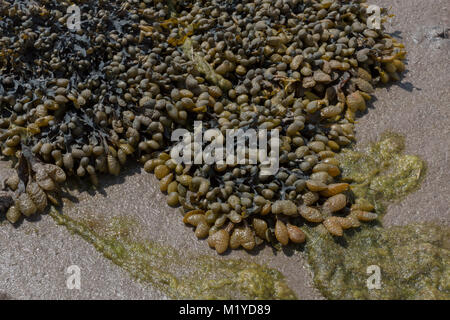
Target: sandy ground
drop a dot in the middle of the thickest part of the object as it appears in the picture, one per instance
(34, 256)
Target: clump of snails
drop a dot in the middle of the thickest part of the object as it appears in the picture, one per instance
(94, 100)
(32, 186)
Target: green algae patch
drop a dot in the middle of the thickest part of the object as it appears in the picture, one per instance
(414, 262)
(381, 172)
(180, 276)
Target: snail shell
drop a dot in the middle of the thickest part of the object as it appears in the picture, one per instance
(13, 214)
(281, 233)
(37, 195)
(26, 205)
(219, 241)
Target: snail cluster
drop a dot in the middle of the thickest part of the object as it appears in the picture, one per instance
(88, 102)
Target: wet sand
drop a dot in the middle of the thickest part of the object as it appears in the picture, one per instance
(35, 255)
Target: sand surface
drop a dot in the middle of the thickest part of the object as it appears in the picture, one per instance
(34, 256)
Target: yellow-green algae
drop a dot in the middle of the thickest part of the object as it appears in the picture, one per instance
(204, 277)
(414, 261)
(381, 172)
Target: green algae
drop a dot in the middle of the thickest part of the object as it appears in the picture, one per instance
(414, 262)
(381, 172)
(180, 276)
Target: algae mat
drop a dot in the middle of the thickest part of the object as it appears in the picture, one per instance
(159, 265)
(414, 263)
(381, 172)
